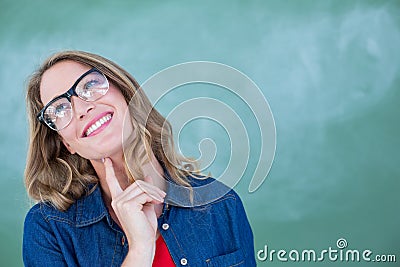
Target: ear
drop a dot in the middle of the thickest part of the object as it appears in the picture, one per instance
(70, 149)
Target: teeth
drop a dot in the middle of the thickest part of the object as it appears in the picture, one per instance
(97, 124)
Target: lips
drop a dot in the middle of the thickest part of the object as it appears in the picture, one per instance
(98, 123)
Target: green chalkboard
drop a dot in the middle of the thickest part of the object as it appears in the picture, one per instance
(330, 71)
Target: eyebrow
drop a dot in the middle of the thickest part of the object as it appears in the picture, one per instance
(73, 85)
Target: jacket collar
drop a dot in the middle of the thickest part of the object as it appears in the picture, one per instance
(90, 208)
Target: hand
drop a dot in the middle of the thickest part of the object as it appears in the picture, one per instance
(134, 208)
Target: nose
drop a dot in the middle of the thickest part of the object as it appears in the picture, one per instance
(81, 107)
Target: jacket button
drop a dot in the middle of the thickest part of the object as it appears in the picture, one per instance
(183, 261)
(123, 240)
(165, 226)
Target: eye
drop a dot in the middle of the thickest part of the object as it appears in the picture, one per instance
(61, 110)
(86, 91)
(91, 83)
(92, 86)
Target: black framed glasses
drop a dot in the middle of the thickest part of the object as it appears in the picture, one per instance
(57, 114)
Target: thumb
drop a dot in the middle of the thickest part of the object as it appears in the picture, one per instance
(111, 179)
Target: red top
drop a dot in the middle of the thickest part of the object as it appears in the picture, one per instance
(162, 258)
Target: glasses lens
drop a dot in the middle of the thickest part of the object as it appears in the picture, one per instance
(58, 114)
(92, 86)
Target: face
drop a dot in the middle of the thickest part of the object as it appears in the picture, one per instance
(95, 130)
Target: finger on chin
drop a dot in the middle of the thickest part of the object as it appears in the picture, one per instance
(111, 179)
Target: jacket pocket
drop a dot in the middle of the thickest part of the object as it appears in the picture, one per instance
(235, 258)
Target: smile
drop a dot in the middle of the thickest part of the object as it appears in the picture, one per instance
(96, 125)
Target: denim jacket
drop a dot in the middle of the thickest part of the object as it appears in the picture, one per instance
(213, 234)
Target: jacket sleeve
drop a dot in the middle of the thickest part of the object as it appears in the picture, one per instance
(245, 234)
(40, 247)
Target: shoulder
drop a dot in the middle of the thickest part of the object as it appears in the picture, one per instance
(227, 215)
(46, 212)
(211, 186)
(210, 191)
(40, 243)
(88, 208)
(214, 217)
(209, 199)
(203, 190)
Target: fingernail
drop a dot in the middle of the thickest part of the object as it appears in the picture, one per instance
(103, 160)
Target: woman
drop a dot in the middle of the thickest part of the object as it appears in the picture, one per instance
(103, 180)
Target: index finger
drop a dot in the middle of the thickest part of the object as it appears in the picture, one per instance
(111, 179)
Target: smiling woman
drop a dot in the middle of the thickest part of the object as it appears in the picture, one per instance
(92, 209)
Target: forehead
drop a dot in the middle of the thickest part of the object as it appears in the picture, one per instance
(59, 78)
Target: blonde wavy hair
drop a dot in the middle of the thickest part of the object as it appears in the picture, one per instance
(56, 176)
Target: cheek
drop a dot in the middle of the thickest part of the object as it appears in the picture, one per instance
(116, 97)
(68, 136)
